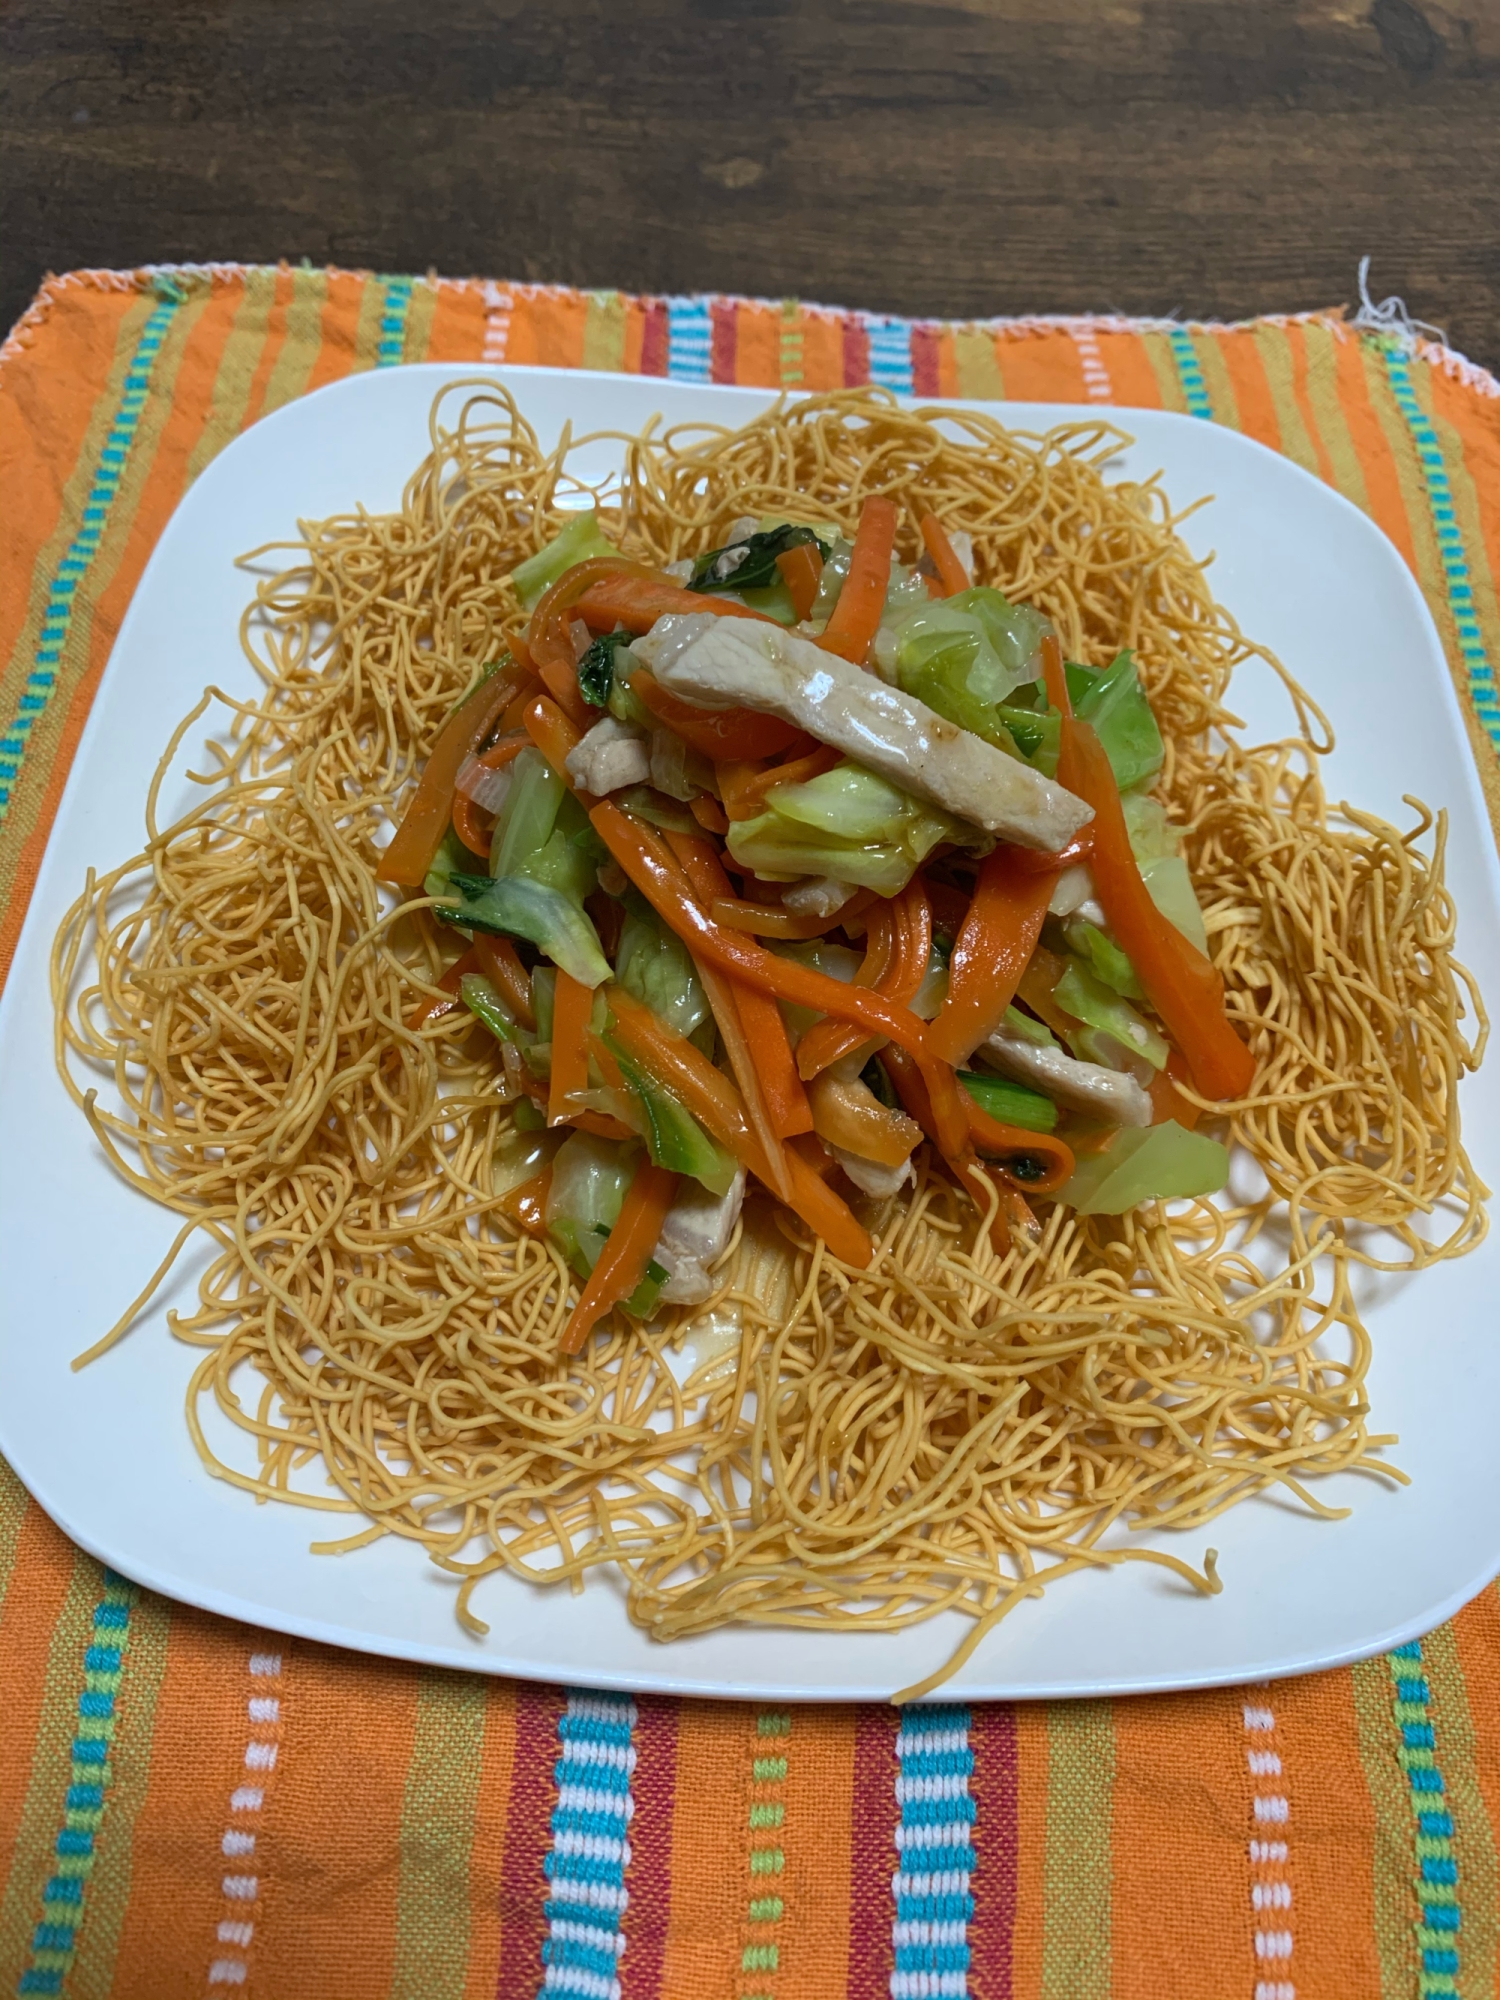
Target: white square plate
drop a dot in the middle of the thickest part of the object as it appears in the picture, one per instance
(107, 1452)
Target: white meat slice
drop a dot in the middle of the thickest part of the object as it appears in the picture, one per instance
(818, 896)
(613, 754)
(1083, 1086)
(696, 1231)
(869, 1176)
(740, 662)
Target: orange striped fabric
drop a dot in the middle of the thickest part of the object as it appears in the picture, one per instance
(189, 1808)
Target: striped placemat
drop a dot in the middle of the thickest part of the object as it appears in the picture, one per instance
(188, 1808)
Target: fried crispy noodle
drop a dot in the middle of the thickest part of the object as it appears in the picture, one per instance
(944, 1430)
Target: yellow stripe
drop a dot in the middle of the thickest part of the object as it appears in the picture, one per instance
(604, 332)
(1158, 351)
(304, 337)
(1328, 415)
(14, 1501)
(420, 314)
(1390, 1794)
(977, 364)
(1077, 1940)
(1473, 1836)
(367, 327)
(1217, 379)
(237, 366)
(1276, 359)
(437, 1837)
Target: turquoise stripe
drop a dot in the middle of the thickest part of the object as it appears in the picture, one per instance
(58, 617)
(890, 354)
(933, 1903)
(1436, 1886)
(586, 1865)
(392, 347)
(55, 1939)
(690, 340)
(1449, 538)
(1194, 388)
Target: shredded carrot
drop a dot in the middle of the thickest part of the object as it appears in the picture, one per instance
(903, 972)
(1167, 1101)
(629, 595)
(623, 1260)
(793, 771)
(552, 733)
(801, 571)
(1000, 1141)
(527, 1204)
(856, 616)
(505, 972)
(851, 1116)
(722, 734)
(736, 776)
(1181, 984)
(708, 813)
(425, 821)
(771, 920)
(467, 825)
(826, 1041)
(992, 951)
(549, 636)
(951, 573)
(571, 1010)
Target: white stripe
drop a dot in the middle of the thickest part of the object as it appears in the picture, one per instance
(909, 1740)
(1271, 1895)
(260, 1756)
(1272, 1808)
(611, 1756)
(954, 1883)
(589, 1934)
(1263, 1763)
(573, 1979)
(929, 1985)
(232, 1933)
(241, 1888)
(928, 1789)
(1273, 1944)
(594, 1895)
(265, 1663)
(1259, 1718)
(1275, 1989)
(913, 1930)
(595, 1708)
(235, 1843)
(952, 1833)
(246, 1798)
(264, 1708)
(227, 1972)
(1262, 1851)
(238, 1843)
(595, 1846)
(583, 1798)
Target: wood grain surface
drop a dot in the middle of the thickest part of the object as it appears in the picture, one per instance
(951, 157)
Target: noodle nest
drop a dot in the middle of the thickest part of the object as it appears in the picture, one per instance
(854, 1449)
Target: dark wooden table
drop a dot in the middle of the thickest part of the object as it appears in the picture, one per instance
(953, 157)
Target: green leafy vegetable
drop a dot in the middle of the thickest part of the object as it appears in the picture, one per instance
(1156, 842)
(1112, 1033)
(590, 1178)
(1145, 1163)
(850, 824)
(1011, 1103)
(674, 1138)
(642, 1301)
(451, 858)
(876, 1078)
(596, 670)
(1115, 703)
(1029, 1028)
(526, 820)
(963, 655)
(654, 965)
(755, 568)
(516, 906)
(528, 1116)
(578, 542)
(485, 1004)
(656, 809)
(1104, 957)
(544, 999)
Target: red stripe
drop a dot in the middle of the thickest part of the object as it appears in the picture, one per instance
(654, 339)
(872, 1859)
(994, 1740)
(724, 316)
(856, 355)
(528, 1834)
(648, 1913)
(924, 361)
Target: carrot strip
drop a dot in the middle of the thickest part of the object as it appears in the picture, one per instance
(1167, 1101)
(466, 825)
(552, 733)
(794, 771)
(722, 734)
(750, 1024)
(736, 913)
(629, 595)
(571, 1011)
(994, 1138)
(527, 1204)
(951, 573)
(857, 614)
(1181, 984)
(736, 776)
(1036, 988)
(848, 1115)
(708, 812)
(561, 681)
(903, 973)
(420, 834)
(801, 571)
(504, 970)
(826, 1041)
(991, 952)
(623, 1260)
(1055, 676)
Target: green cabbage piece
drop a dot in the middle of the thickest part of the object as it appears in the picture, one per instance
(1156, 843)
(1116, 705)
(1012, 1103)
(578, 542)
(848, 823)
(655, 966)
(590, 1178)
(674, 1138)
(451, 859)
(1155, 1162)
(1112, 1030)
(484, 1003)
(1103, 957)
(544, 999)
(1029, 1028)
(517, 906)
(963, 655)
(526, 820)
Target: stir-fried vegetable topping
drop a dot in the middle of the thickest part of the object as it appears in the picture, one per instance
(923, 983)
